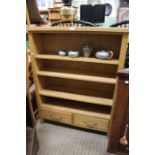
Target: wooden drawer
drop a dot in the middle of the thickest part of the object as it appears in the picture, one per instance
(57, 116)
(91, 122)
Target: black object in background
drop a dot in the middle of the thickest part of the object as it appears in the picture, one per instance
(94, 14)
(124, 3)
(67, 2)
(29, 122)
(86, 13)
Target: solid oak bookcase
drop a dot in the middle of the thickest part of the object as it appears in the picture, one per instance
(76, 91)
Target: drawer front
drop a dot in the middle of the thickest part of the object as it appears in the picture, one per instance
(57, 116)
(91, 122)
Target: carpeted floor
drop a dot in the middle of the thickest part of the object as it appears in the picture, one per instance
(57, 139)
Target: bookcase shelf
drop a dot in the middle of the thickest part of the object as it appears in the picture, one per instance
(77, 77)
(77, 97)
(76, 91)
(81, 59)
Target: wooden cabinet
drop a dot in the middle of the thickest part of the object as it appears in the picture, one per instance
(54, 14)
(120, 117)
(77, 91)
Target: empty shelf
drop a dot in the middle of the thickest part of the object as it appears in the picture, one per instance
(77, 97)
(78, 77)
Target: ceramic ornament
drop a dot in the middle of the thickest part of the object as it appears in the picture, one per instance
(124, 140)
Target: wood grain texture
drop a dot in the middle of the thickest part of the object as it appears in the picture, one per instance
(37, 85)
(73, 109)
(52, 43)
(87, 30)
(76, 97)
(87, 88)
(28, 22)
(87, 81)
(120, 112)
(81, 59)
(35, 43)
(57, 115)
(76, 117)
(83, 68)
(78, 77)
(91, 122)
(123, 51)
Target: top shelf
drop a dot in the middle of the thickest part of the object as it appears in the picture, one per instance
(87, 30)
(81, 59)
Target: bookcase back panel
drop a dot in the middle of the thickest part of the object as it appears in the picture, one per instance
(75, 67)
(78, 87)
(52, 43)
(36, 43)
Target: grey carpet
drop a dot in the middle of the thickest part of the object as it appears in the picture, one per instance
(57, 139)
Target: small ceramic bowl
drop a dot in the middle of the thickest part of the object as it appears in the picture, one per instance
(62, 53)
(73, 54)
(104, 54)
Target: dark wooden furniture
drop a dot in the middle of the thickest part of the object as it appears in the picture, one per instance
(33, 15)
(120, 116)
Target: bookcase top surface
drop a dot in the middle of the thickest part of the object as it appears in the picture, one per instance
(88, 30)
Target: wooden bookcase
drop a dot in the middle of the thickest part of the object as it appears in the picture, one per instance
(76, 91)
